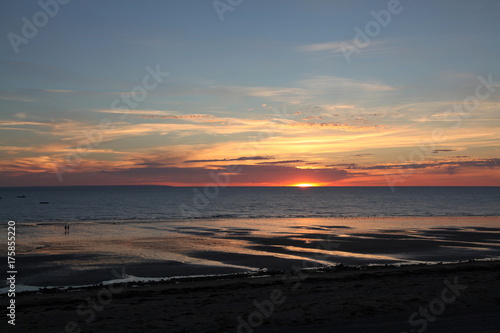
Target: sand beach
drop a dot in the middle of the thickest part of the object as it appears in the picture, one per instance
(272, 275)
(434, 298)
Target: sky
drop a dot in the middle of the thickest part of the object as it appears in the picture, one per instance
(250, 92)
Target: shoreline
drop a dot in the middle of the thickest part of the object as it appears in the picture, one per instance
(366, 299)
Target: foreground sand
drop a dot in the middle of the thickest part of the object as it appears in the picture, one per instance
(345, 300)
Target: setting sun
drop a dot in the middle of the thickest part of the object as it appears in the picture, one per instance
(305, 185)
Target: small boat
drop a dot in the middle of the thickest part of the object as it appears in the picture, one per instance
(43, 202)
(21, 196)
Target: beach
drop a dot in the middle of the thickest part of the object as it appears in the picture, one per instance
(262, 275)
(48, 256)
(460, 297)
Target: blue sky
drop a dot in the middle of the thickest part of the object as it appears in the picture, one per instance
(272, 73)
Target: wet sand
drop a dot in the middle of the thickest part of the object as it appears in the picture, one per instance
(460, 297)
(167, 249)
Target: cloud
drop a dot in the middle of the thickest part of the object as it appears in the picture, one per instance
(164, 168)
(278, 94)
(60, 91)
(340, 48)
(20, 115)
(23, 123)
(27, 165)
(75, 131)
(333, 125)
(34, 95)
(274, 174)
(244, 158)
(319, 47)
(435, 151)
(16, 148)
(262, 175)
(189, 116)
(161, 114)
(484, 163)
(345, 165)
(328, 84)
(297, 92)
(19, 96)
(136, 112)
(282, 162)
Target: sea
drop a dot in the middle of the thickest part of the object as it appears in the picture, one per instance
(96, 203)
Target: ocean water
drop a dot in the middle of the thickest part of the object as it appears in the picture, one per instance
(95, 203)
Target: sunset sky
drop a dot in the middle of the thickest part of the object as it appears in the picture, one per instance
(258, 93)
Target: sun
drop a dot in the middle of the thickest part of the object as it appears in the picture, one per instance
(305, 185)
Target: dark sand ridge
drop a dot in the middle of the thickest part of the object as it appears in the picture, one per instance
(372, 299)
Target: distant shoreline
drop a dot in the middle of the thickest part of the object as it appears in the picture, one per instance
(229, 186)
